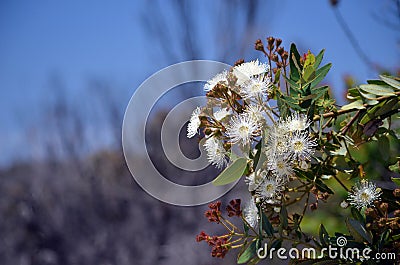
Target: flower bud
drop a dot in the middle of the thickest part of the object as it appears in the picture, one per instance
(259, 46)
(270, 41)
(384, 206)
(278, 42)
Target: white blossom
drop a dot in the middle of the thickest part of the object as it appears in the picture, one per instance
(271, 187)
(363, 194)
(216, 153)
(194, 123)
(241, 128)
(219, 78)
(221, 114)
(302, 146)
(256, 87)
(250, 69)
(297, 122)
(250, 213)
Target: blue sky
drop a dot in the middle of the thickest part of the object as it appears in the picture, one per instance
(79, 40)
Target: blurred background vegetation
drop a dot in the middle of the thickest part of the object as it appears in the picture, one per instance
(67, 73)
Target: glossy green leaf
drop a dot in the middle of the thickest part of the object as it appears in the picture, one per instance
(248, 253)
(232, 172)
(377, 90)
(294, 62)
(318, 58)
(320, 74)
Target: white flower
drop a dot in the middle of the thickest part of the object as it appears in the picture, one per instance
(302, 146)
(297, 122)
(250, 69)
(216, 153)
(255, 112)
(250, 213)
(255, 87)
(281, 166)
(271, 187)
(277, 141)
(363, 194)
(222, 113)
(241, 128)
(254, 180)
(221, 77)
(194, 123)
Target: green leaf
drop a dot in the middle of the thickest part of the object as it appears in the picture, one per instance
(320, 74)
(387, 106)
(292, 84)
(390, 80)
(357, 215)
(266, 225)
(323, 235)
(277, 76)
(322, 186)
(248, 253)
(318, 58)
(308, 73)
(310, 60)
(232, 172)
(358, 104)
(357, 230)
(397, 181)
(294, 61)
(384, 147)
(283, 217)
(246, 228)
(377, 90)
(384, 238)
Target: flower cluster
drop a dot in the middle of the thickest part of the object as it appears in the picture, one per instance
(239, 113)
(286, 145)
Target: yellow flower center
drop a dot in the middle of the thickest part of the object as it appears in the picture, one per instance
(298, 146)
(255, 88)
(244, 131)
(364, 196)
(269, 188)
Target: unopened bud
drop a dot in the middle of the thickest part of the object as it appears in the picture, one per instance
(278, 42)
(396, 193)
(274, 58)
(285, 55)
(384, 206)
(259, 46)
(270, 41)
